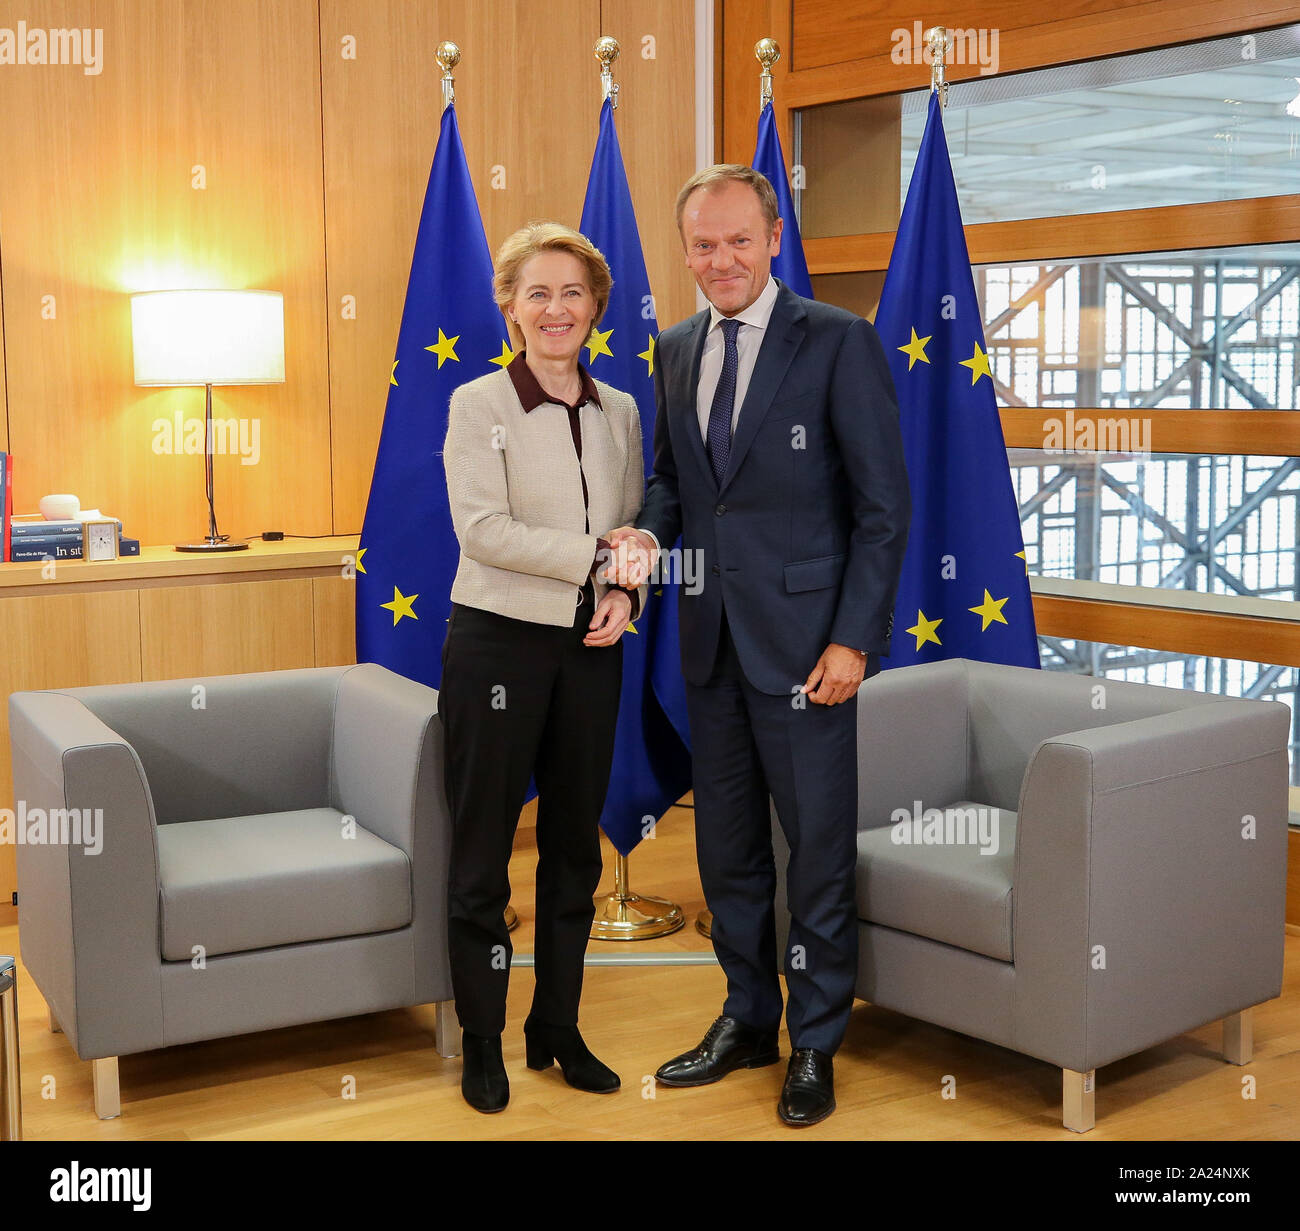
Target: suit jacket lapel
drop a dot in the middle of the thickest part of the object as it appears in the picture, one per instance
(687, 383)
(781, 340)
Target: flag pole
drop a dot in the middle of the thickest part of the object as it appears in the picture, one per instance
(938, 42)
(624, 915)
(448, 56)
(767, 51)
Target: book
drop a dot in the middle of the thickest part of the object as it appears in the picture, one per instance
(28, 527)
(44, 530)
(42, 549)
(6, 503)
(56, 547)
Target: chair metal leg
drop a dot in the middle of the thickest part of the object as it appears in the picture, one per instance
(55, 1028)
(108, 1098)
(1078, 1092)
(11, 1087)
(1239, 1037)
(447, 1030)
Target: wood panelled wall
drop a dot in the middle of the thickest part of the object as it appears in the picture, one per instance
(286, 144)
(846, 50)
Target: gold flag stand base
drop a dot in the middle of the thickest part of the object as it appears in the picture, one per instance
(704, 923)
(624, 915)
(512, 919)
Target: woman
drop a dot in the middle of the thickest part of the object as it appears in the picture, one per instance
(539, 459)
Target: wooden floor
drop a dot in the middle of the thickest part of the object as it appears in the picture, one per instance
(289, 1084)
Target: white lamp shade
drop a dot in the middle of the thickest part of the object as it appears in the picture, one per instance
(208, 337)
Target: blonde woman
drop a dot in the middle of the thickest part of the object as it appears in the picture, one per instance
(541, 459)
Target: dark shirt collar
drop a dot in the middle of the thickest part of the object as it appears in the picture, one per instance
(532, 395)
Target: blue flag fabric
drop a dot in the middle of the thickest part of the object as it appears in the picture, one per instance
(964, 590)
(451, 332)
(652, 766)
(788, 265)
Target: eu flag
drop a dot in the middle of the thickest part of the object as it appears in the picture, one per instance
(652, 766)
(964, 590)
(451, 332)
(788, 265)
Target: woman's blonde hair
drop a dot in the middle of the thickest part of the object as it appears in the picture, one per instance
(528, 242)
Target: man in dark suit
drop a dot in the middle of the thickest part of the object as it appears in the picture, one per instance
(778, 459)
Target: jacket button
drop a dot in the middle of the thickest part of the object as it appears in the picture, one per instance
(720, 510)
(717, 571)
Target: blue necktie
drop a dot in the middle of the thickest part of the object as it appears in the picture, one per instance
(724, 402)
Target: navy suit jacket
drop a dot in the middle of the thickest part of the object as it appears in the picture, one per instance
(804, 538)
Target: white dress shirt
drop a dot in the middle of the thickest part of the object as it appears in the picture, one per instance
(749, 337)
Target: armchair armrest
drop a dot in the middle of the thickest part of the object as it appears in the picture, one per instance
(386, 769)
(88, 911)
(912, 740)
(1144, 906)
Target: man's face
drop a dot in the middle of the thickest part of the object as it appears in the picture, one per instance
(727, 245)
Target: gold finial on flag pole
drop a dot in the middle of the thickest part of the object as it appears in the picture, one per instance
(767, 53)
(448, 56)
(607, 53)
(939, 44)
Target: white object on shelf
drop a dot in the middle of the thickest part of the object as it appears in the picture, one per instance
(64, 507)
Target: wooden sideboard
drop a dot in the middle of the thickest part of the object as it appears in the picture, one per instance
(167, 615)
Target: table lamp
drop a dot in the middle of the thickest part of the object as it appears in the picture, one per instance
(208, 338)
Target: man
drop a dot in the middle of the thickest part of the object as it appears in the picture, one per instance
(778, 459)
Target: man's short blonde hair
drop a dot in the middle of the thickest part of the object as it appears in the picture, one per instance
(538, 237)
(732, 172)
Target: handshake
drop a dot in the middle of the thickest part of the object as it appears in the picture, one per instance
(630, 559)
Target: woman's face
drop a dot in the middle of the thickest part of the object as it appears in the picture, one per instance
(554, 306)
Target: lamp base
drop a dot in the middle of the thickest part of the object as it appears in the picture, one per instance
(212, 545)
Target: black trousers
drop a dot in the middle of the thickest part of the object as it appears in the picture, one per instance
(517, 700)
(746, 744)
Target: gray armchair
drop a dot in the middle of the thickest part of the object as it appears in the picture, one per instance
(241, 853)
(1137, 889)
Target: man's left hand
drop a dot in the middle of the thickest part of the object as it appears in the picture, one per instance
(837, 675)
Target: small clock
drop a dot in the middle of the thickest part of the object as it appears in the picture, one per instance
(99, 540)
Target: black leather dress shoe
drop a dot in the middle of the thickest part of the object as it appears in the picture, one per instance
(728, 1045)
(546, 1044)
(808, 1095)
(483, 1079)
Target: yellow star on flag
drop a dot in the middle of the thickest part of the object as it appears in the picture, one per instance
(649, 355)
(392, 376)
(598, 344)
(632, 628)
(978, 364)
(1025, 558)
(506, 355)
(445, 348)
(924, 630)
(401, 605)
(989, 610)
(361, 568)
(915, 350)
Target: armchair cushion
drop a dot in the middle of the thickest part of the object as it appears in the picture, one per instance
(254, 882)
(949, 892)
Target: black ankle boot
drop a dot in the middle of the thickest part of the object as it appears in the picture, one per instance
(483, 1079)
(563, 1043)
